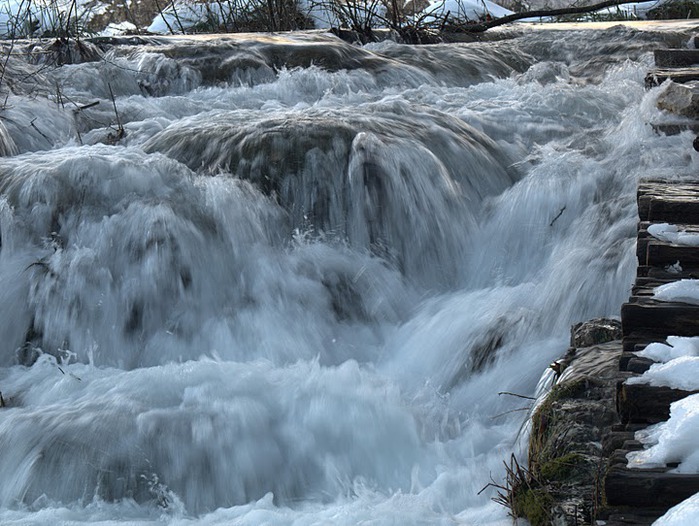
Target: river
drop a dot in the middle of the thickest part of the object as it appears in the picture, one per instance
(283, 279)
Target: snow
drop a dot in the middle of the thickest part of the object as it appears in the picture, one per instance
(463, 9)
(19, 18)
(672, 234)
(673, 441)
(686, 512)
(680, 373)
(323, 17)
(678, 367)
(123, 28)
(675, 268)
(684, 291)
(675, 347)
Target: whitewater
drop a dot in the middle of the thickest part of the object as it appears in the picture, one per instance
(284, 279)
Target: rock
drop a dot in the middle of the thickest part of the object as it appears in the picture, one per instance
(566, 453)
(680, 99)
(595, 332)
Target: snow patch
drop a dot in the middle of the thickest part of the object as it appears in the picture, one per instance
(680, 373)
(686, 512)
(673, 441)
(672, 234)
(684, 291)
(675, 347)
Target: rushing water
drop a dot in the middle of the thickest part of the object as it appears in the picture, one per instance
(290, 290)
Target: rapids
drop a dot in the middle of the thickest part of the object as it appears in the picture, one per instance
(282, 280)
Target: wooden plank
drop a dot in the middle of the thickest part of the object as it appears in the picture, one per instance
(639, 365)
(643, 403)
(633, 518)
(638, 339)
(676, 57)
(687, 272)
(657, 320)
(613, 440)
(633, 363)
(661, 254)
(673, 210)
(661, 190)
(646, 488)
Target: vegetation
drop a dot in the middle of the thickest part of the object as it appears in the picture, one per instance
(675, 9)
(414, 20)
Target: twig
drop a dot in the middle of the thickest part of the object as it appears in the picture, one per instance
(517, 395)
(38, 130)
(120, 129)
(559, 215)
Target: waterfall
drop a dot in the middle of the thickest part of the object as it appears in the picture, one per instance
(282, 279)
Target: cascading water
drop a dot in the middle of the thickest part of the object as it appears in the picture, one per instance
(287, 283)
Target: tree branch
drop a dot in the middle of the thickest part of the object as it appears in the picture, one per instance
(484, 26)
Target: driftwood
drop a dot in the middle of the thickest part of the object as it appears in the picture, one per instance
(646, 404)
